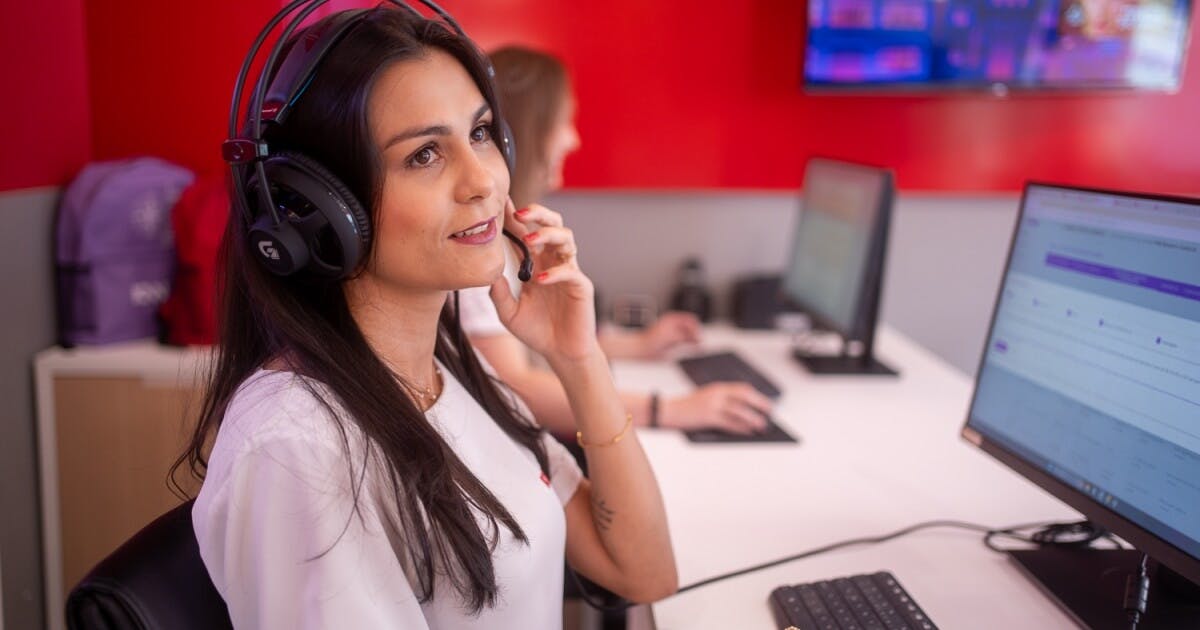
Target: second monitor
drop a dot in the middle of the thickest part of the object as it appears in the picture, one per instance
(835, 274)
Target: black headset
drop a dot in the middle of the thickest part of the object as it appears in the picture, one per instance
(307, 218)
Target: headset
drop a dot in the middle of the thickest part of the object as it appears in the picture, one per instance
(307, 219)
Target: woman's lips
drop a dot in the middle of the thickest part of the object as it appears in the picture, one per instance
(477, 234)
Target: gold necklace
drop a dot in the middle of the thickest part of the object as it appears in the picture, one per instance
(426, 395)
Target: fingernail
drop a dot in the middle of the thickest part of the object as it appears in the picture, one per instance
(543, 275)
(522, 211)
(528, 238)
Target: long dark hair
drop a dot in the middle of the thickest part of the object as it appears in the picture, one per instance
(305, 323)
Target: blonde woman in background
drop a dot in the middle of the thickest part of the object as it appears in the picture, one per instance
(539, 104)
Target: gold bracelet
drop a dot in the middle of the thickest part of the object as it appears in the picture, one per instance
(628, 423)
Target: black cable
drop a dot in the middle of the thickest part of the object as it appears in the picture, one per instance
(1137, 593)
(846, 543)
(1048, 533)
(1076, 534)
(1039, 538)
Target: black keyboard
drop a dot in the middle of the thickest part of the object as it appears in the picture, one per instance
(726, 366)
(861, 602)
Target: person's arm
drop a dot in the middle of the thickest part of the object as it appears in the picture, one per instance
(672, 329)
(733, 407)
(616, 525)
(538, 388)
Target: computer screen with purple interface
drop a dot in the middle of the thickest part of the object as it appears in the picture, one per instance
(992, 43)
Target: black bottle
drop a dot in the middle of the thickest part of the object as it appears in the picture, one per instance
(691, 295)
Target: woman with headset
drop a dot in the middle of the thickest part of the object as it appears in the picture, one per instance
(362, 468)
(539, 104)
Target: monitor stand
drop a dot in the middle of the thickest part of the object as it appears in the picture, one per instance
(842, 364)
(1089, 584)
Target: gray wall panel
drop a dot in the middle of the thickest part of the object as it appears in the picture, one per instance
(944, 256)
(27, 287)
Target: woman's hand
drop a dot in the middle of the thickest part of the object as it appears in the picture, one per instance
(672, 329)
(732, 407)
(554, 314)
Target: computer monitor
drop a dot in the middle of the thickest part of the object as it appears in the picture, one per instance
(836, 270)
(997, 46)
(1089, 386)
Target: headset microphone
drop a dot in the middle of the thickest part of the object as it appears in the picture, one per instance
(525, 272)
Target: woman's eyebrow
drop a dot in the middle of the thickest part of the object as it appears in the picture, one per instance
(432, 130)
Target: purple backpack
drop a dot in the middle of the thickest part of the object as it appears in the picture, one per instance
(115, 253)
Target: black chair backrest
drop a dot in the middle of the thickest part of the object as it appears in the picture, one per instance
(155, 581)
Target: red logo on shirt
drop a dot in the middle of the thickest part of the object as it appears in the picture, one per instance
(545, 480)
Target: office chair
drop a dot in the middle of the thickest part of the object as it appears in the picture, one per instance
(155, 581)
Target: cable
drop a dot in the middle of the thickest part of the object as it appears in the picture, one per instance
(989, 532)
(1048, 533)
(838, 545)
(1076, 534)
(1137, 593)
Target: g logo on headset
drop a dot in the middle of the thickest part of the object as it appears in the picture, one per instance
(300, 216)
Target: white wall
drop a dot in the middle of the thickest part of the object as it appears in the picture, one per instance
(944, 256)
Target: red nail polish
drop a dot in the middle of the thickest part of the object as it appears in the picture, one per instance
(521, 211)
(529, 237)
(543, 275)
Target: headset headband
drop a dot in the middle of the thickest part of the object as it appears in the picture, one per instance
(273, 102)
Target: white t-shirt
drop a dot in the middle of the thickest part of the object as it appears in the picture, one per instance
(278, 533)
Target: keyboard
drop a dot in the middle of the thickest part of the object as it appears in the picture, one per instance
(862, 602)
(727, 366)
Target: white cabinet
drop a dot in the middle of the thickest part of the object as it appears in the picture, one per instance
(111, 421)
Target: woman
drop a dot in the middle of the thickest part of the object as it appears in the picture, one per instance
(539, 105)
(366, 470)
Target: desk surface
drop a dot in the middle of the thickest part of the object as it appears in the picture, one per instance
(876, 455)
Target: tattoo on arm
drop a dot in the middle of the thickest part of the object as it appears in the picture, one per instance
(601, 513)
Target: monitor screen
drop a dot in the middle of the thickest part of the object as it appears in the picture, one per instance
(1091, 373)
(836, 241)
(980, 43)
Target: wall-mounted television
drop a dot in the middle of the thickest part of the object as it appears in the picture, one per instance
(996, 44)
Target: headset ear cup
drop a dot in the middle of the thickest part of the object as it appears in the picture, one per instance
(315, 202)
(279, 247)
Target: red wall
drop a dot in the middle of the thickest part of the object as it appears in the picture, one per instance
(44, 120)
(162, 74)
(678, 94)
(671, 96)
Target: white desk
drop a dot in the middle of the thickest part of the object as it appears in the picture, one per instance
(876, 455)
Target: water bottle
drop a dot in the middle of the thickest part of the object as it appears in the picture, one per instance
(691, 295)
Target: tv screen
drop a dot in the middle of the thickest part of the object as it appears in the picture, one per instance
(1020, 44)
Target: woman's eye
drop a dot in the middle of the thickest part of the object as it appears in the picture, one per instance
(482, 133)
(424, 157)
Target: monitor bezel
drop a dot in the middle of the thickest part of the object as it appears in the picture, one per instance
(863, 327)
(1144, 540)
